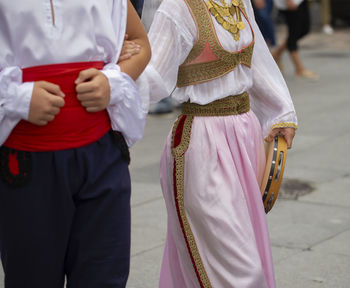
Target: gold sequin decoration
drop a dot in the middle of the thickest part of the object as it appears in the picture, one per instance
(228, 16)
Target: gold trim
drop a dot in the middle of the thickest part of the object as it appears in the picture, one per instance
(190, 74)
(180, 149)
(178, 153)
(284, 125)
(231, 105)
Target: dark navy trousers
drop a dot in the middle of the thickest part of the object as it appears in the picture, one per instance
(71, 219)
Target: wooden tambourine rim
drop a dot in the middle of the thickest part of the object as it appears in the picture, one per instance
(276, 156)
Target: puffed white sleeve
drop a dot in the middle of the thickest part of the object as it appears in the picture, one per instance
(170, 44)
(126, 110)
(15, 99)
(270, 98)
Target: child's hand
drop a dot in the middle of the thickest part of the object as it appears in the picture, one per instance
(93, 90)
(47, 99)
(129, 48)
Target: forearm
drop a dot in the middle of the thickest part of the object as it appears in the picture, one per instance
(137, 63)
(136, 33)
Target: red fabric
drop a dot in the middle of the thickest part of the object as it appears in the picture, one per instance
(178, 132)
(73, 127)
(13, 164)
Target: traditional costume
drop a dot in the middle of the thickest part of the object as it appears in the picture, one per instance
(65, 186)
(232, 95)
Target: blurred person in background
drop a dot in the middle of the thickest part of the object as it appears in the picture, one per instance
(297, 16)
(326, 17)
(262, 11)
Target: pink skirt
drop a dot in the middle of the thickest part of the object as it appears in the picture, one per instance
(217, 232)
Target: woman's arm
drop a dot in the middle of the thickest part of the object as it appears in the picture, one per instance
(270, 98)
(137, 34)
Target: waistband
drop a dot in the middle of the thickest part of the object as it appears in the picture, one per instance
(231, 105)
(73, 127)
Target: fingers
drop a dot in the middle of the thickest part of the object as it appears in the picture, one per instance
(124, 57)
(91, 106)
(86, 75)
(45, 104)
(272, 135)
(288, 133)
(93, 109)
(289, 140)
(94, 94)
(131, 47)
(51, 88)
(85, 87)
(57, 101)
(54, 94)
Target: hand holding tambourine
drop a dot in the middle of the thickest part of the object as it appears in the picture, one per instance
(278, 141)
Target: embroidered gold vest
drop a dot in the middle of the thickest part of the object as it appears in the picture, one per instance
(208, 60)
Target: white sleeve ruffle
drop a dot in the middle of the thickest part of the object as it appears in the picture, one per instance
(170, 44)
(151, 86)
(15, 99)
(270, 98)
(126, 110)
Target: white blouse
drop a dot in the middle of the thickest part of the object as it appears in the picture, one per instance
(40, 32)
(172, 36)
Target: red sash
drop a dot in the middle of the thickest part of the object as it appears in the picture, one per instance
(73, 127)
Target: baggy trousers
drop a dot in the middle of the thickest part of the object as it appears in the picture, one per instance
(72, 218)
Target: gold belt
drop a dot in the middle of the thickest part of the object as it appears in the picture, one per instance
(231, 105)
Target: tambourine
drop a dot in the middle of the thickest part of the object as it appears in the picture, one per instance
(276, 156)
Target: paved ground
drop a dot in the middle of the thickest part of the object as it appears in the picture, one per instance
(310, 232)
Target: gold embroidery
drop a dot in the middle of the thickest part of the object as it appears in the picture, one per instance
(180, 149)
(194, 73)
(178, 153)
(231, 105)
(284, 125)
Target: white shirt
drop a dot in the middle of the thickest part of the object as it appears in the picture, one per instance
(172, 36)
(33, 32)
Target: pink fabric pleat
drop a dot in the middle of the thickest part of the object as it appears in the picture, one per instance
(224, 165)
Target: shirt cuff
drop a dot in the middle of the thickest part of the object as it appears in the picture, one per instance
(125, 109)
(15, 96)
